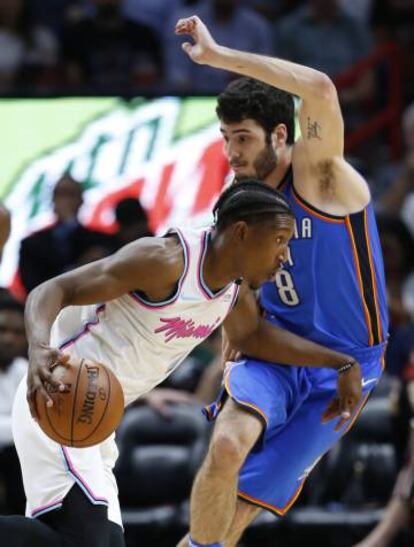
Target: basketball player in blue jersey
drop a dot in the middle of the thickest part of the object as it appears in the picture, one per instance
(331, 290)
(140, 312)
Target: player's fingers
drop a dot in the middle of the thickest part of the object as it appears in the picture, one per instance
(37, 386)
(187, 47)
(58, 358)
(332, 411)
(186, 25)
(31, 400)
(46, 376)
(346, 408)
(64, 359)
(341, 423)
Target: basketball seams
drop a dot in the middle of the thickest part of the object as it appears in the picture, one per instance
(75, 394)
(108, 379)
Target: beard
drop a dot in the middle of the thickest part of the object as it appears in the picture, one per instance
(263, 165)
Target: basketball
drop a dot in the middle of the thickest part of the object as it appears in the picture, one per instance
(88, 411)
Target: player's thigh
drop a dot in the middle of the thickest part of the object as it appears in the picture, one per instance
(236, 427)
(294, 449)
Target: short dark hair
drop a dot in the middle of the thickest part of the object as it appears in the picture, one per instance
(251, 201)
(267, 105)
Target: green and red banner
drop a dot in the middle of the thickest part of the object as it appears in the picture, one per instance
(165, 151)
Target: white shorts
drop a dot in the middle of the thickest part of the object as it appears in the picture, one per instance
(50, 470)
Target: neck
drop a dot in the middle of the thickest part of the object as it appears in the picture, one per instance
(284, 160)
(218, 270)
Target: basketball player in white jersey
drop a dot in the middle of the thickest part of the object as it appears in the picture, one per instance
(141, 311)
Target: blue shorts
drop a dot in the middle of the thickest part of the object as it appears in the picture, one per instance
(290, 402)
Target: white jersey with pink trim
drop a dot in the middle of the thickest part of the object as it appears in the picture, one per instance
(142, 342)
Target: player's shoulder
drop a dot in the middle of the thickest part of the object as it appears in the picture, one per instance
(161, 256)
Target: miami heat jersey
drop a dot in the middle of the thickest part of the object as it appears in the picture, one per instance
(332, 289)
(142, 342)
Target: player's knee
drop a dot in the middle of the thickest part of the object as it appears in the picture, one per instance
(227, 451)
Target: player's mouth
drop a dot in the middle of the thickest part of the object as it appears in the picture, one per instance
(238, 167)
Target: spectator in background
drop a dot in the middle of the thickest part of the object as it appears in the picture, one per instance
(13, 366)
(398, 251)
(154, 13)
(54, 14)
(64, 245)
(321, 35)
(392, 20)
(358, 9)
(232, 25)
(28, 52)
(132, 221)
(272, 9)
(398, 200)
(106, 51)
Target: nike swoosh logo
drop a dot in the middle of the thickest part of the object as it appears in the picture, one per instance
(367, 382)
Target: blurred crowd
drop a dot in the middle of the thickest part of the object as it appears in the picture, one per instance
(128, 47)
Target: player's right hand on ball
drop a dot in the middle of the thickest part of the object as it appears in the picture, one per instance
(42, 360)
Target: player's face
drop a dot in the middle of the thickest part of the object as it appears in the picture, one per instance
(246, 148)
(266, 249)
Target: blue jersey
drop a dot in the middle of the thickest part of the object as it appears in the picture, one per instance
(332, 289)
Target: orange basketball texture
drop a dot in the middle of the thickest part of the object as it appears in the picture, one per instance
(89, 411)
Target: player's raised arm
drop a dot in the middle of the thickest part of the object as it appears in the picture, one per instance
(318, 155)
(317, 91)
(249, 333)
(131, 268)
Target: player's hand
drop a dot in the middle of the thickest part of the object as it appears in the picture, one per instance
(42, 359)
(203, 49)
(349, 385)
(228, 353)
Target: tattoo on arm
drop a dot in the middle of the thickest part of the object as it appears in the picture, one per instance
(314, 130)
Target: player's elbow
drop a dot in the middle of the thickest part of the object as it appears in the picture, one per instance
(325, 88)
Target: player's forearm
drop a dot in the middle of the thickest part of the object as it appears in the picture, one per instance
(42, 307)
(270, 343)
(300, 80)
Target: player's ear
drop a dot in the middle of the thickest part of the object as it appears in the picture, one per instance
(239, 231)
(279, 135)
